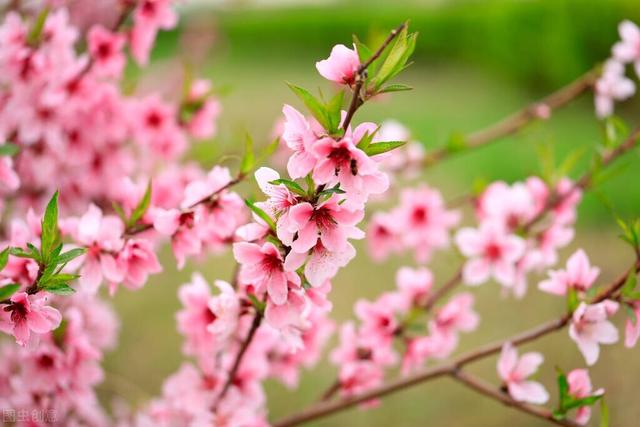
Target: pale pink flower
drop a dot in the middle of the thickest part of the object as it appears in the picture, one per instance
(514, 371)
(299, 134)
(579, 275)
(341, 66)
(414, 285)
(137, 260)
(384, 235)
(322, 265)
(149, 16)
(632, 327)
(580, 387)
(612, 86)
(492, 252)
(589, 328)
(263, 267)
(455, 316)
(628, 49)
(9, 179)
(102, 236)
(379, 318)
(28, 313)
(328, 222)
(106, 50)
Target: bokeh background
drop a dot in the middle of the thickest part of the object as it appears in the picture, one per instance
(476, 61)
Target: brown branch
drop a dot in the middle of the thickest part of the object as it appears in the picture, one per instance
(323, 409)
(520, 119)
(488, 390)
(257, 320)
(360, 77)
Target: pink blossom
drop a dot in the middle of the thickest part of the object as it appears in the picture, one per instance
(510, 205)
(341, 66)
(106, 51)
(263, 267)
(149, 16)
(384, 235)
(414, 285)
(612, 86)
(580, 387)
(28, 313)
(137, 260)
(632, 326)
(379, 318)
(578, 275)
(628, 49)
(328, 222)
(514, 371)
(102, 235)
(425, 220)
(322, 265)
(589, 328)
(299, 135)
(455, 316)
(492, 252)
(291, 318)
(9, 179)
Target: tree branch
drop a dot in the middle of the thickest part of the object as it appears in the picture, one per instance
(520, 119)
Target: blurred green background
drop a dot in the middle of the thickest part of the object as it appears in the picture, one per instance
(476, 61)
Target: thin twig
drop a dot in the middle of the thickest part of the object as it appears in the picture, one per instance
(520, 119)
(360, 77)
(488, 390)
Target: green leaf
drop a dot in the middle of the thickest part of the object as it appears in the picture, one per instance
(59, 289)
(631, 314)
(334, 112)
(249, 158)
(563, 386)
(260, 213)
(21, 253)
(330, 191)
(585, 401)
(142, 207)
(572, 300)
(604, 414)
(259, 305)
(36, 31)
(630, 284)
(50, 233)
(397, 58)
(366, 139)
(291, 185)
(58, 278)
(397, 87)
(383, 147)
(615, 131)
(8, 290)
(315, 106)
(69, 255)
(4, 257)
(364, 53)
(9, 149)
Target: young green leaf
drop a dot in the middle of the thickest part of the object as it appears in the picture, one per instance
(630, 284)
(334, 112)
(364, 53)
(142, 207)
(9, 149)
(572, 300)
(50, 233)
(69, 255)
(397, 58)
(291, 185)
(59, 289)
(261, 214)
(383, 147)
(36, 31)
(249, 158)
(7, 291)
(4, 257)
(315, 106)
(397, 87)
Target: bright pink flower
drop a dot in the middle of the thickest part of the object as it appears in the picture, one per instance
(299, 135)
(343, 162)
(425, 221)
(580, 387)
(414, 285)
(149, 16)
(455, 316)
(280, 198)
(137, 260)
(341, 66)
(102, 235)
(291, 318)
(612, 86)
(329, 222)
(263, 267)
(379, 318)
(632, 327)
(492, 252)
(589, 328)
(29, 314)
(510, 205)
(578, 275)
(514, 371)
(106, 50)
(628, 49)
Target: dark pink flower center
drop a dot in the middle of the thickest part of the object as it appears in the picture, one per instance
(420, 215)
(493, 252)
(323, 219)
